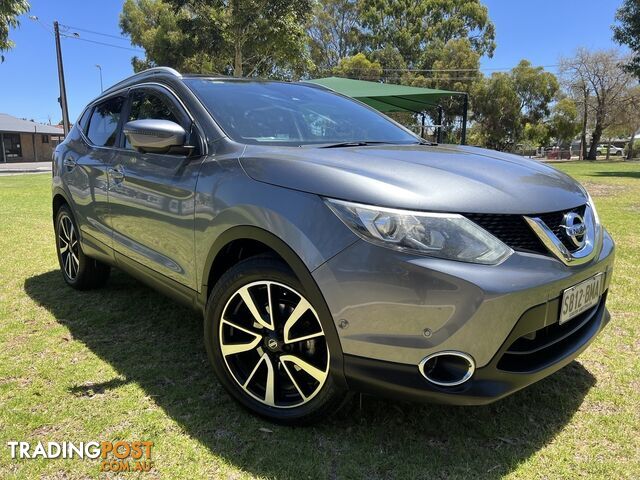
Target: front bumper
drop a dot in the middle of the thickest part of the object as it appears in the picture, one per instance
(505, 374)
(399, 308)
(392, 310)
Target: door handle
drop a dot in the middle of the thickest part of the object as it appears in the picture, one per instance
(116, 173)
(69, 162)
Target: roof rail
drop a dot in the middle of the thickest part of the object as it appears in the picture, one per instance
(145, 73)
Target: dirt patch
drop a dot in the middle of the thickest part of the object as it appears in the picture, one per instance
(604, 189)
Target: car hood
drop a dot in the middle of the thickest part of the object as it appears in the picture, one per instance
(445, 178)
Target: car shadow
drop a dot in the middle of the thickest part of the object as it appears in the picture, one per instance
(157, 344)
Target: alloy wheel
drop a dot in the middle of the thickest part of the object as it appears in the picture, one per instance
(68, 247)
(273, 344)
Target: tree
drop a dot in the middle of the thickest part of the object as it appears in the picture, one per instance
(563, 124)
(510, 107)
(627, 32)
(602, 83)
(334, 32)
(243, 37)
(535, 88)
(391, 62)
(497, 113)
(10, 10)
(358, 67)
(536, 134)
(456, 64)
(626, 121)
(155, 26)
(456, 67)
(412, 26)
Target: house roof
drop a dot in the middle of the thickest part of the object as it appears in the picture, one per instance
(384, 96)
(17, 125)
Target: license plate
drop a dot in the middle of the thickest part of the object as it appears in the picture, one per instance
(581, 297)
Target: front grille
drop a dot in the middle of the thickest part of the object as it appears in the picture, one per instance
(546, 346)
(514, 231)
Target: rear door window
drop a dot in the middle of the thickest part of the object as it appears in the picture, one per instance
(103, 124)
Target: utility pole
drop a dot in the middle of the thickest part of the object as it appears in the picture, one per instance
(63, 89)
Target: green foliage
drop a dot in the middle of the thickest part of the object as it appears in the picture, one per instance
(510, 107)
(535, 88)
(391, 62)
(334, 32)
(456, 54)
(243, 37)
(419, 27)
(9, 12)
(155, 26)
(627, 32)
(458, 66)
(497, 112)
(536, 134)
(564, 123)
(358, 67)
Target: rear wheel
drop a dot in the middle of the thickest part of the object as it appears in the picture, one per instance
(267, 343)
(78, 270)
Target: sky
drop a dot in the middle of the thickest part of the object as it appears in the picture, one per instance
(541, 31)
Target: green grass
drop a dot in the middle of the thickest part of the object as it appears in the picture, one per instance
(126, 363)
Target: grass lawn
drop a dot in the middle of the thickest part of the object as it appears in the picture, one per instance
(126, 363)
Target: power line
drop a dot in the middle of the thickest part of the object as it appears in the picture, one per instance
(68, 28)
(117, 37)
(74, 37)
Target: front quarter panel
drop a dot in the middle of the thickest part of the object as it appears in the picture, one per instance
(226, 198)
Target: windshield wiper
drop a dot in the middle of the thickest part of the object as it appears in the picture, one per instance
(361, 143)
(364, 143)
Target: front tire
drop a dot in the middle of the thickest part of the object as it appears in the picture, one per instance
(267, 343)
(78, 270)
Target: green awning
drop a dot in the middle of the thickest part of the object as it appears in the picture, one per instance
(384, 96)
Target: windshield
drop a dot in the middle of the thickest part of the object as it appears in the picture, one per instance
(291, 114)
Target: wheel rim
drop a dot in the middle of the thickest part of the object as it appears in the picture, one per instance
(273, 344)
(68, 247)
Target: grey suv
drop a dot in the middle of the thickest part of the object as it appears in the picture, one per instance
(328, 248)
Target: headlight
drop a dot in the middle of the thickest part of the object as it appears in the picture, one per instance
(441, 235)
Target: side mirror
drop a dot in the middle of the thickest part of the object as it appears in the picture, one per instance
(155, 136)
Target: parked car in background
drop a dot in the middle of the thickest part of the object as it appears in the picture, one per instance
(613, 150)
(327, 247)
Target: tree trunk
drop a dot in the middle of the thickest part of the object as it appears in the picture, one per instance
(237, 59)
(595, 139)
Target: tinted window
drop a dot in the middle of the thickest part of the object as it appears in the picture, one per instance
(103, 124)
(291, 114)
(150, 105)
(146, 104)
(82, 121)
